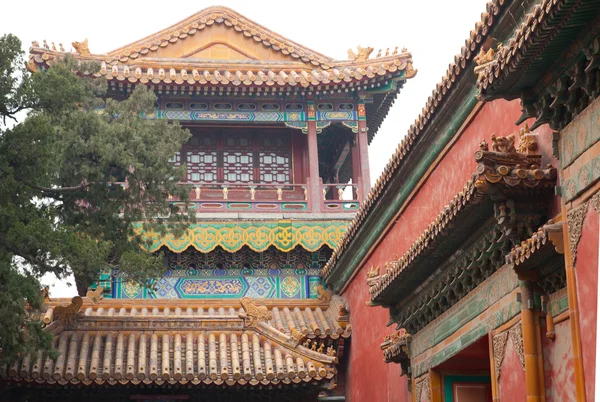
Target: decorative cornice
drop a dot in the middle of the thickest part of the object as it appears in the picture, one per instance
(553, 30)
(549, 233)
(257, 235)
(235, 74)
(395, 349)
(480, 34)
(502, 171)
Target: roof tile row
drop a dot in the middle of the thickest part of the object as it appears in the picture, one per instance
(456, 69)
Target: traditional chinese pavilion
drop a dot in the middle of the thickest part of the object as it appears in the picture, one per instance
(479, 243)
(278, 165)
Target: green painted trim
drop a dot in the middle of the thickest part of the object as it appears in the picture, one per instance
(559, 305)
(450, 379)
(462, 342)
(345, 269)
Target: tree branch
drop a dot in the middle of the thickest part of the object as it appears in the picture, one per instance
(58, 189)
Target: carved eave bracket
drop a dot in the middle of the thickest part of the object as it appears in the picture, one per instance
(395, 349)
(508, 188)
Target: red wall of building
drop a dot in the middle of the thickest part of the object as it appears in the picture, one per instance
(511, 386)
(559, 377)
(369, 377)
(586, 271)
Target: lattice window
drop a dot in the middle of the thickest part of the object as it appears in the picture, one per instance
(175, 159)
(202, 159)
(274, 160)
(238, 159)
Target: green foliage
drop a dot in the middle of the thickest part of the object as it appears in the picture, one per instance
(75, 175)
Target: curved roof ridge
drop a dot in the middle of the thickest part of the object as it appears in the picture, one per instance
(231, 18)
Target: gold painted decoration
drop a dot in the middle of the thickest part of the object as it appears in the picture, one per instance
(258, 236)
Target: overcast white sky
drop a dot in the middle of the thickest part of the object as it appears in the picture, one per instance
(433, 30)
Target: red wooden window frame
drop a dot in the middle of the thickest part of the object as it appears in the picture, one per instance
(280, 149)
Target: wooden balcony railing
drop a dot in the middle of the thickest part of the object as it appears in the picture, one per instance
(340, 197)
(255, 197)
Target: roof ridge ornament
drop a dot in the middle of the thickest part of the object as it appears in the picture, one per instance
(253, 313)
(485, 59)
(325, 295)
(67, 314)
(45, 293)
(296, 337)
(95, 294)
(362, 55)
(82, 47)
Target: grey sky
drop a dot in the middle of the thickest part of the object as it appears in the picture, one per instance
(432, 30)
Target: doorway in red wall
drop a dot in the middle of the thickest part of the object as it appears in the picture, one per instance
(465, 377)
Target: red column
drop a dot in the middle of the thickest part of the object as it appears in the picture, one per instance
(314, 192)
(355, 158)
(363, 149)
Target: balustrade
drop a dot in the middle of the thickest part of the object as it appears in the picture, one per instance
(227, 197)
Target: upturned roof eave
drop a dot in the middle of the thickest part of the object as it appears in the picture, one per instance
(437, 118)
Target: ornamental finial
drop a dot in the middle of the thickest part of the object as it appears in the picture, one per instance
(362, 55)
(82, 47)
(66, 314)
(253, 314)
(95, 294)
(504, 145)
(324, 295)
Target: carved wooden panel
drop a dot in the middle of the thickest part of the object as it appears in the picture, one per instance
(274, 161)
(238, 158)
(201, 159)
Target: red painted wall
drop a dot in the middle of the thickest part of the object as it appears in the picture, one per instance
(559, 377)
(511, 386)
(370, 378)
(586, 271)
